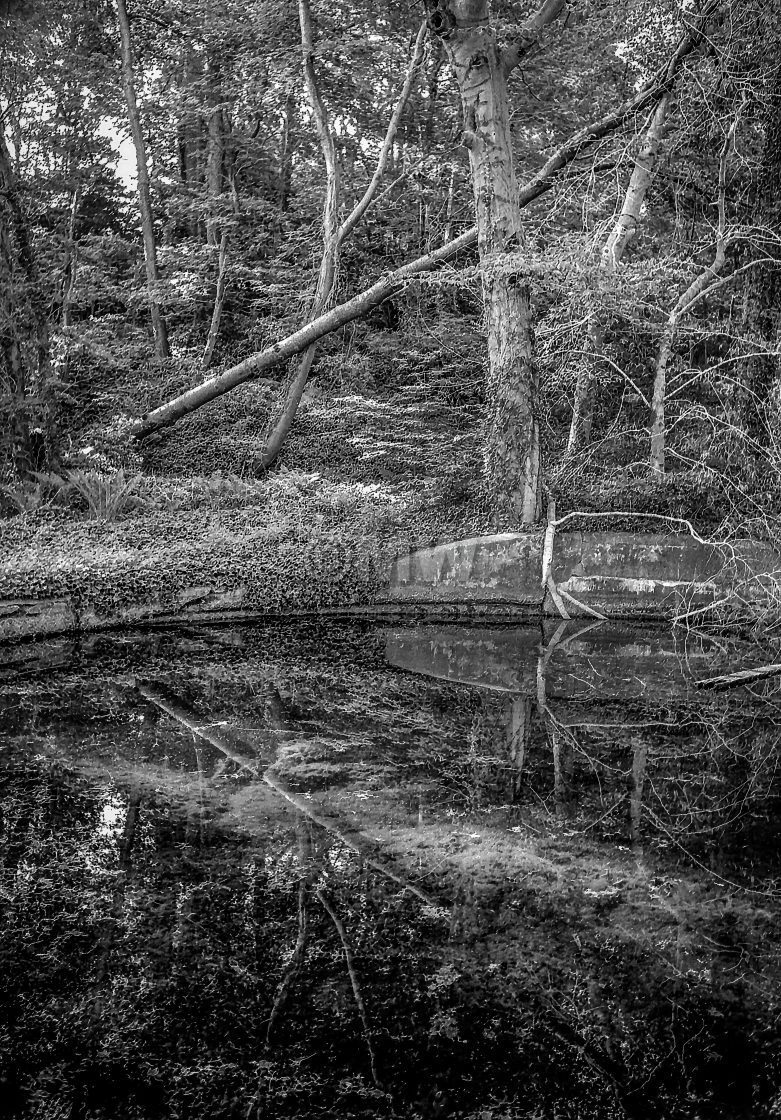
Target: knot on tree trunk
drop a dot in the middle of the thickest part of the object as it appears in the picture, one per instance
(441, 21)
(447, 16)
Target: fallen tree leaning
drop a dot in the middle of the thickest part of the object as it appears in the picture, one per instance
(390, 284)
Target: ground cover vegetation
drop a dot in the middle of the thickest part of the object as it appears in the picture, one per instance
(386, 273)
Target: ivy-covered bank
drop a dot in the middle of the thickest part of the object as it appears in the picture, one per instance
(109, 568)
(97, 549)
(107, 577)
(294, 544)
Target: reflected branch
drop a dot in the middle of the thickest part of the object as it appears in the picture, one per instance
(348, 956)
(294, 964)
(205, 731)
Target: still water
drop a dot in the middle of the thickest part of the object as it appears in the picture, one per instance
(355, 871)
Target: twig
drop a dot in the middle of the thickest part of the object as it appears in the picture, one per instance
(294, 964)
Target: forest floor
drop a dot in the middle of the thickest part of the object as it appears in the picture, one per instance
(384, 456)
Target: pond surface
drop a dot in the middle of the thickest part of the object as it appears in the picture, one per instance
(355, 871)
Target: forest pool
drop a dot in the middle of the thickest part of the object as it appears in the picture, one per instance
(320, 870)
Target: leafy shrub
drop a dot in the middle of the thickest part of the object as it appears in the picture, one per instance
(107, 495)
(25, 497)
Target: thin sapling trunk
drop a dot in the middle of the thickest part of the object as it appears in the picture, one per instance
(144, 195)
(612, 254)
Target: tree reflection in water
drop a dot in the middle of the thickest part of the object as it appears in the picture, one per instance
(349, 872)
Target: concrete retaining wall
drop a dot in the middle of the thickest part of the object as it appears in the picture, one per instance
(617, 574)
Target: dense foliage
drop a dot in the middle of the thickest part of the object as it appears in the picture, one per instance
(232, 145)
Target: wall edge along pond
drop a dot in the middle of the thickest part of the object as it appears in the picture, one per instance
(619, 575)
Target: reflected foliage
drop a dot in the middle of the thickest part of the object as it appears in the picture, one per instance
(262, 872)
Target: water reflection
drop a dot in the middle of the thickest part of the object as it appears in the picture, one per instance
(431, 871)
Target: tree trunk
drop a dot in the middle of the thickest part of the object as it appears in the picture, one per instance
(329, 262)
(219, 301)
(214, 153)
(512, 450)
(70, 263)
(612, 254)
(698, 288)
(144, 196)
(286, 144)
(760, 374)
(334, 234)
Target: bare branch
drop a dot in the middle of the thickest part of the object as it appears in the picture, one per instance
(653, 89)
(363, 204)
(528, 36)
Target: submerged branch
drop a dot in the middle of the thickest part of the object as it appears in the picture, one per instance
(745, 676)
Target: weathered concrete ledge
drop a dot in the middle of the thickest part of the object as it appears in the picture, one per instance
(624, 575)
(615, 574)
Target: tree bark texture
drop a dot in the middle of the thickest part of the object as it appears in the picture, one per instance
(512, 449)
(144, 196)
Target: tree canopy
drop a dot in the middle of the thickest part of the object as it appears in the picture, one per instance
(580, 202)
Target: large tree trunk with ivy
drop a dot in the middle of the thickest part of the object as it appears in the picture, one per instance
(481, 66)
(15, 409)
(25, 350)
(144, 195)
